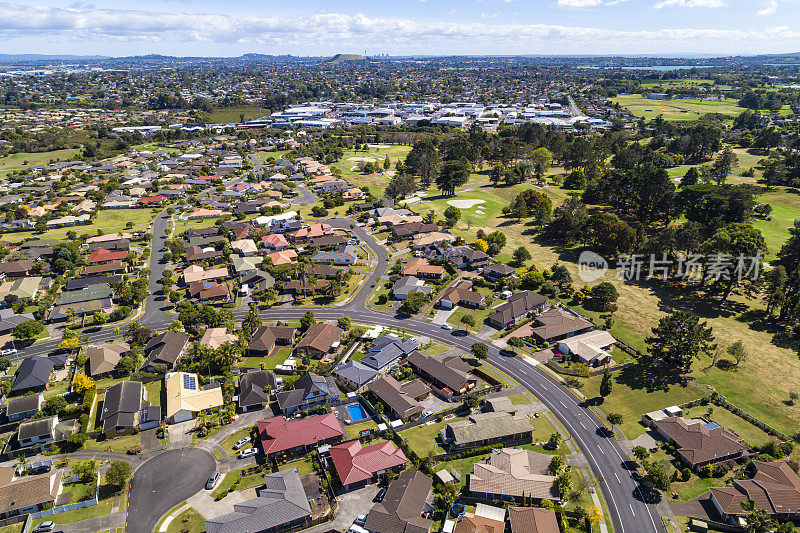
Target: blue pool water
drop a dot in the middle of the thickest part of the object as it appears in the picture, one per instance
(356, 412)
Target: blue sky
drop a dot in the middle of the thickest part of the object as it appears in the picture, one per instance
(430, 27)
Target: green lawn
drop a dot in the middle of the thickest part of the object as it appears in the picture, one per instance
(232, 438)
(635, 392)
(519, 398)
(23, 160)
(421, 439)
(304, 466)
(13, 528)
(268, 362)
(225, 115)
(462, 466)
(101, 509)
(683, 109)
(355, 428)
(107, 220)
(154, 391)
(749, 433)
(435, 348)
(189, 520)
(245, 482)
(118, 444)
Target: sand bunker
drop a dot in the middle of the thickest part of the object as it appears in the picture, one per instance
(379, 146)
(364, 159)
(464, 204)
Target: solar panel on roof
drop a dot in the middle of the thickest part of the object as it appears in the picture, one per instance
(189, 382)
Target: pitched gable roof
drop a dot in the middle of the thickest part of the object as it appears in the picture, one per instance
(355, 463)
(278, 434)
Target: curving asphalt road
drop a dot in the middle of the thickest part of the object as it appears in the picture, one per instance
(163, 482)
(169, 478)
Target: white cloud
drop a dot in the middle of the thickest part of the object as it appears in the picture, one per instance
(90, 27)
(579, 3)
(770, 9)
(711, 4)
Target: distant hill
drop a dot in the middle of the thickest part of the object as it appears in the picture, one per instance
(345, 58)
(48, 57)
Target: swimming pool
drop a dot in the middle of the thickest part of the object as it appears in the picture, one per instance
(356, 412)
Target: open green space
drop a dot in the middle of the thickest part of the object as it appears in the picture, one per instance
(422, 439)
(226, 115)
(676, 83)
(101, 509)
(23, 160)
(304, 466)
(749, 433)
(231, 439)
(237, 480)
(154, 391)
(354, 430)
(106, 220)
(267, 362)
(189, 520)
(682, 109)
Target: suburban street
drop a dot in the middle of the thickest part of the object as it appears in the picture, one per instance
(171, 477)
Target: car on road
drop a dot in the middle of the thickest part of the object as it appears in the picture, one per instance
(248, 452)
(212, 480)
(44, 527)
(508, 353)
(8, 351)
(379, 497)
(241, 442)
(448, 327)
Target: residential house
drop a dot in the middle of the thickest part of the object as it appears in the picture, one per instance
(462, 293)
(775, 489)
(403, 506)
(283, 257)
(699, 442)
(486, 429)
(255, 389)
(126, 409)
(281, 438)
(266, 340)
(409, 230)
(112, 267)
(408, 284)
(16, 269)
(590, 348)
(464, 257)
(513, 474)
(281, 504)
(20, 289)
(450, 374)
(33, 375)
(497, 272)
(387, 349)
(401, 399)
(9, 320)
(82, 283)
(199, 253)
(216, 337)
(326, 241)
(103, 359)
(533, 520)
(21, 495)
(245, 247)
(166, 348)
(354, 375)
(310, 390)
(186, 399)
(311, 231)
(482, 521)
(421, 268)
(194, 273)
(346, 255)
(23, 407)
(517, 307)
(357, 465)
(33, 436)
(320, 340)
(275, 241)
(557, 324)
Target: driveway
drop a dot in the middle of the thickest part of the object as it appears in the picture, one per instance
(434, 404)
(351, 504)
(442, 315)
(163, 482)
(179, 435)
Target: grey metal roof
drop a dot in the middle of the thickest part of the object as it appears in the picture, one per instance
(355, 372)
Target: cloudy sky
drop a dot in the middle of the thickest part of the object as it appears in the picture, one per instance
(398, 27)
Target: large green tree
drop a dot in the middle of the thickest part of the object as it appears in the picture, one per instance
(679, 339)
(453, 175)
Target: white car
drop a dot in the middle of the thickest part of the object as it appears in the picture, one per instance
(44, 527)
(241, 442)
(447, 326)
(248, 452)
(9, 351)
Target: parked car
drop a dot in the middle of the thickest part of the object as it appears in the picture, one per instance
(248, 452)
(379, 497)
(360, 519)
(241, 442)
(44, 527)
(212, 480)
(41, 469)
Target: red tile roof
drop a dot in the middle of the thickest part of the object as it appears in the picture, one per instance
(278, 434)
(157, 199)
(101, 254)
(355, 463)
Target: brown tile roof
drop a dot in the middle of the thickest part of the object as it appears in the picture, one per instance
(514, 472)
(532, 520)
(419, 266)
(393, 393)
(401, 509)
(26, 491)
(320, 337)
(470, 523)
(697, 443)
(557, 322)
(452, 371)
(775, 488)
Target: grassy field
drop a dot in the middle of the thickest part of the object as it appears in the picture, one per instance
(268, 362)
(154, 391)
(354, 430)
(246, 481)
(232, 438)
(225, 115)
(304, 466)
(677, 83)
(107, 220)
(684, 109)
(377, 181)
(749, 433)
(421, 439)
(189, 520)
(24, 160)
